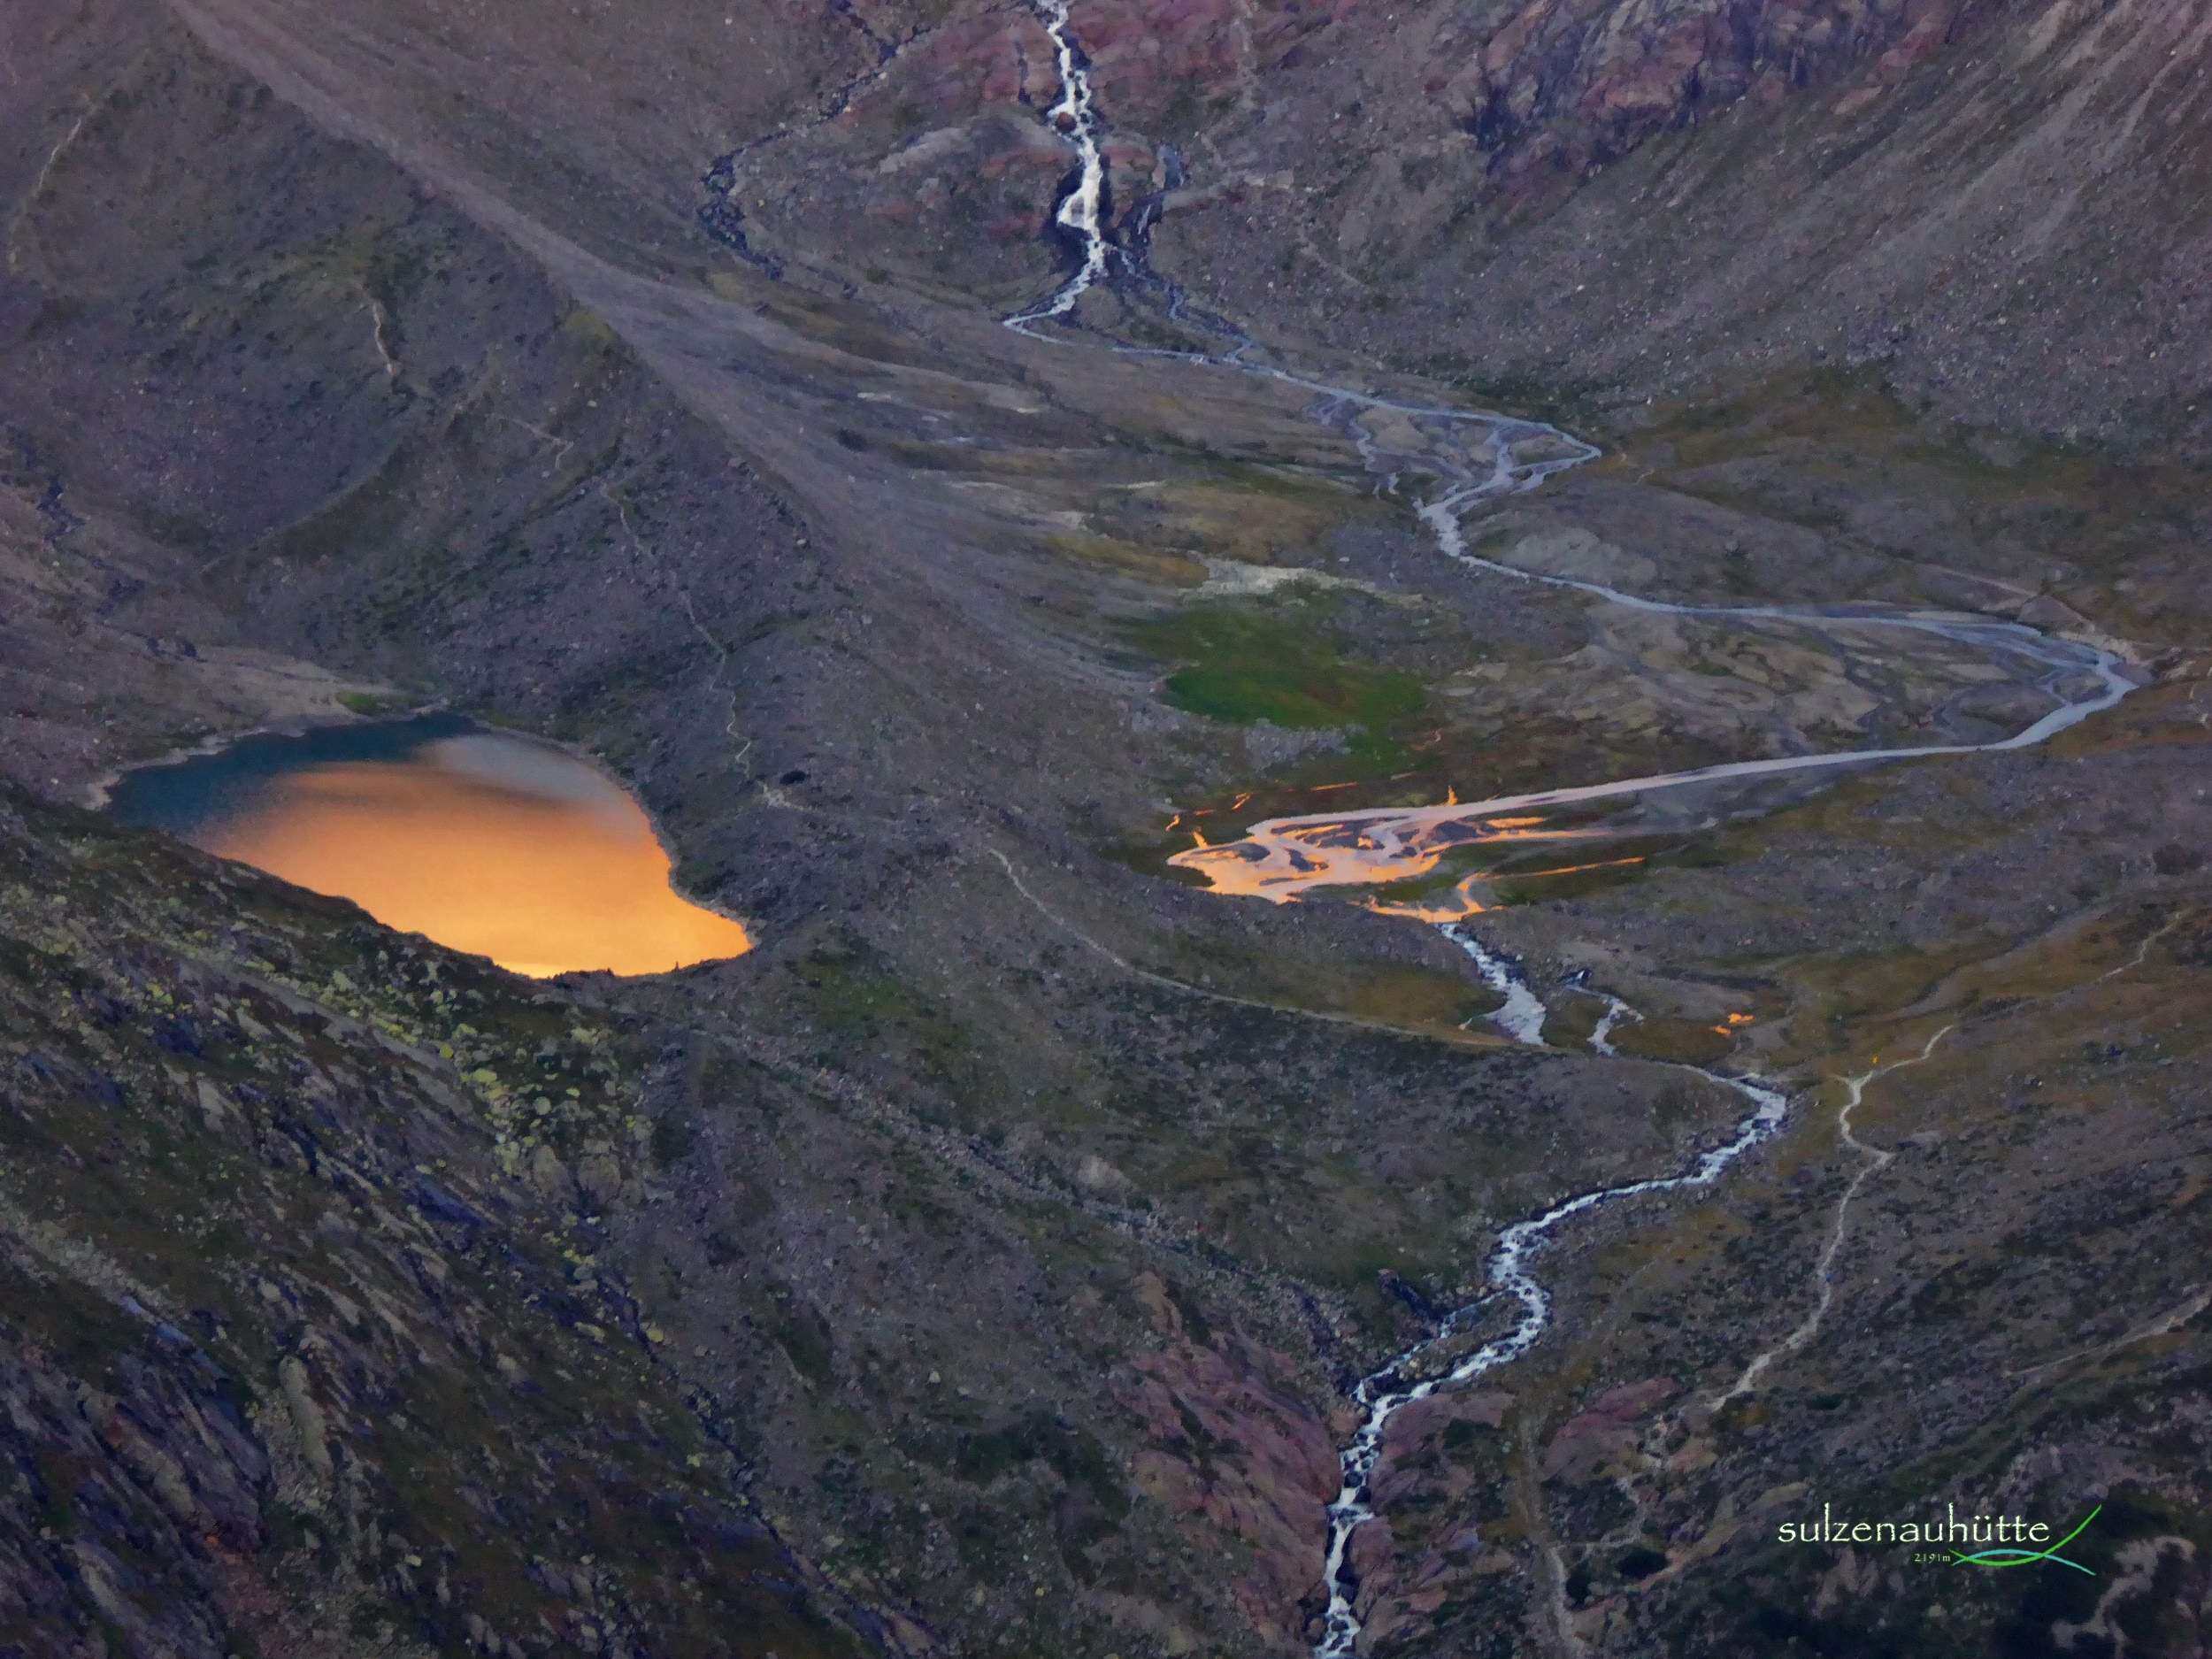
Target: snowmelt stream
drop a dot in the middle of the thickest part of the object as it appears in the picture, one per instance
(1283, 859)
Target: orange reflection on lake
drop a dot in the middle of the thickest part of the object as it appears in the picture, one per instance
(510, 849)
(1286, 859)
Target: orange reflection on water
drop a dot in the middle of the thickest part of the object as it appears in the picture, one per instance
(1288, 858)
(1457, 906)
(512, 851)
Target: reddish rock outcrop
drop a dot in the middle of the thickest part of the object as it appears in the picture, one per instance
(1591, 1439)
(1403, 1580)
(1568, 85)
(1235, 1451)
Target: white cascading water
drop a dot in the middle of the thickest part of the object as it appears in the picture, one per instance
(1522, 1015)
(1382, 1394)
(1079, 212)
(1284, 859)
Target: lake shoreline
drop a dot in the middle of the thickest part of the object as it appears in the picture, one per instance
(382, 739)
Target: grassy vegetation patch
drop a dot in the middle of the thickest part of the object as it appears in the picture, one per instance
(369, 704)
(1278, 662)
(1570, 1021)
(803, 1334)
(1252, 511)
(860, 1005)
(1453, 868)
(1683, 1040)
(1406, 994)
(1572, 881)
(1131, 558)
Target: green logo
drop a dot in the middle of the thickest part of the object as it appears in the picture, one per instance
(2026, 1557)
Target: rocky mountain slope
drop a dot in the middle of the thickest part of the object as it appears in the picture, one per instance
(306, 1351)
(979, 1266)
(1952, 196)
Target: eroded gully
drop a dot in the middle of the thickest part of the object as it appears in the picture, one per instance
(1476, 457)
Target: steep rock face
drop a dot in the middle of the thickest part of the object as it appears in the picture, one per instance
(1569, 84)
(1626, 197)
(1990, 209)
(301, 1349)
(1434, 1477)
(1235, 1449)
(1623, 198)
(942, 150)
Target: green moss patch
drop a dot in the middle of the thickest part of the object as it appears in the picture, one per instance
(369, 703)
(1279, 663)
